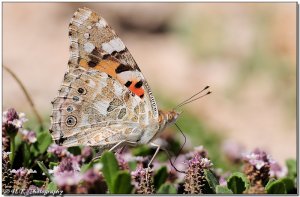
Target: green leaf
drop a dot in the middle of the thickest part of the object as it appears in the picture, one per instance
(211, 179)
(223, 190)
(26, 155)
(292, 168)
(276, 187)
(122, 183)
(38, 183)
(44, 139)
(132, 165)
(289, 184)
(44, 169)
(110, 168)
(85, 167)
(142, 150)
(52, 164)
(160, 177)
(167, 189)
(51, 186)
(238, 182)
(75, 150)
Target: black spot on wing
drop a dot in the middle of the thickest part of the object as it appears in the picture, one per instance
(123, 68)
(139, 84)
(94, 57)
(96, 52)
(128, 83)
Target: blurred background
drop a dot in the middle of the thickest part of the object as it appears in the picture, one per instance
(246, 52)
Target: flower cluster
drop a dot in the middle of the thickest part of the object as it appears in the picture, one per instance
(22, 177)
(28, 136)
(257, 169)
(194, 178)
(11, 123)
(74, 171)
(142, 180)
(68, 175)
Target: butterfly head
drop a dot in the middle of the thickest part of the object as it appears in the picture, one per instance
(167, 118)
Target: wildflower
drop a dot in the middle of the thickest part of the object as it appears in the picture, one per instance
(91, 176)
(123, 165)
(87, 153)
(28, 136)
(67, 174)
(277, 171)
(59, 151)
(257, 168)
(257, 158)
(67, 178)
(142, 180)
(94, 181)
(22, 178)
(198, 150)
(71, 163)
(195, 178)
(7, 176)
(13, 121)
(22, 171)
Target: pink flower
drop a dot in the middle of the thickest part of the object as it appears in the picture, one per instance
(12, 121)
(59, 151)
(28, 136)
(257, 158)
(277, 171)
(21, 172)
(68, 171)
(86, 153)
(91, 176)
(67, 178)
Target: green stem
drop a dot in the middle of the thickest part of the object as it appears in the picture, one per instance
(12, 149)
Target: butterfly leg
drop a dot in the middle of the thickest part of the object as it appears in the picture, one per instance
(154, 155)
(149, 164)
(121, 143)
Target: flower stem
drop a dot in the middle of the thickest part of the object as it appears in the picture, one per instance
(12, 149)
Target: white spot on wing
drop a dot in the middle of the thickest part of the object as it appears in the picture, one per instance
(129, 76)
(101, 24)
(88, 47)
(81, 17)
(102, 106)
(118, 89)
(86, 35)
(115, 44)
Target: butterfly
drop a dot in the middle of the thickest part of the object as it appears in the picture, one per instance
(104, 100)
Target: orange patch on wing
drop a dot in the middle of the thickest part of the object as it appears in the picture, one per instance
(94, 17)
(107, 66)
(83, 63)
(138, 91)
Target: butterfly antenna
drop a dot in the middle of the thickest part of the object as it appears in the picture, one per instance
(192, 98)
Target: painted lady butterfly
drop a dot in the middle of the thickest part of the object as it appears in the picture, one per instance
(104, 100)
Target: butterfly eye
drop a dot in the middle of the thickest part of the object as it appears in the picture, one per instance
(81, 91)
(71, 121)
